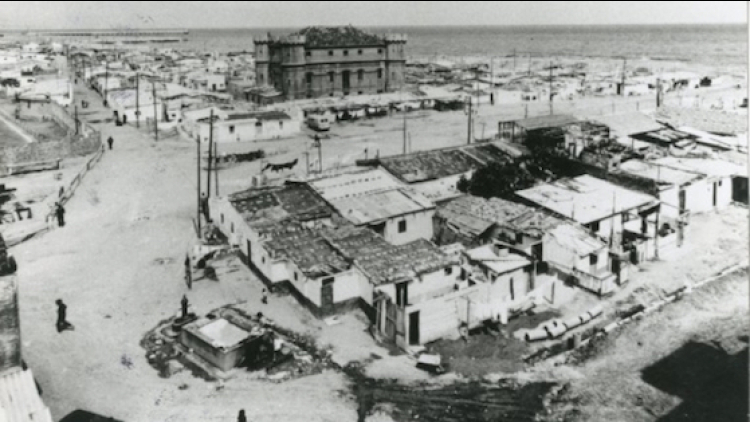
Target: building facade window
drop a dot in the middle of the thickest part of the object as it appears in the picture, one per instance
(346, 52)
(449, 271)
(359, 52)
(330, 77)
(308, 53)
(330, 52)
(231, 129)
(380, 51)
(595, 227)
(593, 259)
(308, 77)
(402, 226)
(360, 75)
(380, 73)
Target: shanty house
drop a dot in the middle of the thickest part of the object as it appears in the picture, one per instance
(724, 182)
(245, 126)
(510, 275)
(127, 102)
(518, 131)
(627, 128)
(435, 173)
(377, 200)
(417, 289)
(580, 257)
(600, 206)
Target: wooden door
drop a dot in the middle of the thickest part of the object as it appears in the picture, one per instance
(414, 328)
(326, 293)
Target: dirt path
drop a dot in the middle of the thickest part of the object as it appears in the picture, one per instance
(118, 266)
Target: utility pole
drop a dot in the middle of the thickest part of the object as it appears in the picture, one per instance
(77, 121)
(404, 129)
(137, 100)
(210, 152)
(624, 63)
(551, 94)
(216, 167)
(468, 136)
(198, 190)
(106, 82)
(514, 62)
(156, 115)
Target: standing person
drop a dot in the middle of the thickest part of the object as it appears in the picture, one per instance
(110, 141)
(62, 313)
(241, 417)
(185, 305)
(60, 214)
(265, 297)
(188, 273)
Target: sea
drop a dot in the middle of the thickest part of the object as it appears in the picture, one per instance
(723, 46)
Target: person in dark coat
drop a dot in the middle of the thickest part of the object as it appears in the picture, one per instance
(185, 305)
(62, 314)
(60, 214)
(110, 141)
(241, 417)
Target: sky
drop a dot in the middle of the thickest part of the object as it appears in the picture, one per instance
(242, 14)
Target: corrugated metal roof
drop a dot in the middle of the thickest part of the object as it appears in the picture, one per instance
(576, 239)
(544, 122)
(585, 199)
(380, 206)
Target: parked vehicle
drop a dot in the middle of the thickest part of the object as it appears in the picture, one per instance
(319, 122)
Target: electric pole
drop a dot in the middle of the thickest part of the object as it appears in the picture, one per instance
(198, 190)
(106, 83)
(156, 115)
(551, 94)
(210, 152)
(77, 121)
(137, 101)
(216, 167)
(405, 107)
(468, 136)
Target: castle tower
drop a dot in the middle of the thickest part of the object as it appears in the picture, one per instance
(395, 61)
(293, 65)
(262, 59)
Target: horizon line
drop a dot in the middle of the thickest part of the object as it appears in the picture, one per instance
(125, 27)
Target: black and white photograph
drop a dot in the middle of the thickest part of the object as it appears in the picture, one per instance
(394, 211)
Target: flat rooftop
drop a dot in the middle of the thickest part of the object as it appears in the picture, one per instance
(222, 333)
(586, 199)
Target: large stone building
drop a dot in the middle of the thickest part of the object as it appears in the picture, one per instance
(321, 62)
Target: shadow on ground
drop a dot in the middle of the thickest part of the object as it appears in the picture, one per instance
(711, 381)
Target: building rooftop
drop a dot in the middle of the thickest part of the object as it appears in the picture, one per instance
(309, 251)
(704, 166)
(338, 36)
(276, 203)
(355, 184)
(534, 223)
(474, 215)
(381, 205)
(498, 262)
(585, 199)
(576, 239)
(222, 333)
(258, 115)
(434, 164)
(384, 263)
(661, 174)
(19, 398)
(10, 328)
(545, 122)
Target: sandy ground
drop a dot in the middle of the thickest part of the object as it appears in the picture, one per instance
(118, 266)
(615, 384)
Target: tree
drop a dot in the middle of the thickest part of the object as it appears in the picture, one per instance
(500, 180)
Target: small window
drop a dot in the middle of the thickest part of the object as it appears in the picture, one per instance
(380, 51)
(449, 271)
(402, 226)
(330, 52)
(281, 125)
(330, 76)
(519, 238)
(593, 259)
(595, 227)
(258, 123)
(263, 260)
(296, 276)
(308, 53)
(359, 52)
(231, 129)
(360, 74)
(309, 77)
(380, 73)
(346, 52)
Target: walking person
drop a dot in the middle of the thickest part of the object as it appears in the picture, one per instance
(241, 417)
(110, 141)
(188, 273)
(62, 313)
(60, 214)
